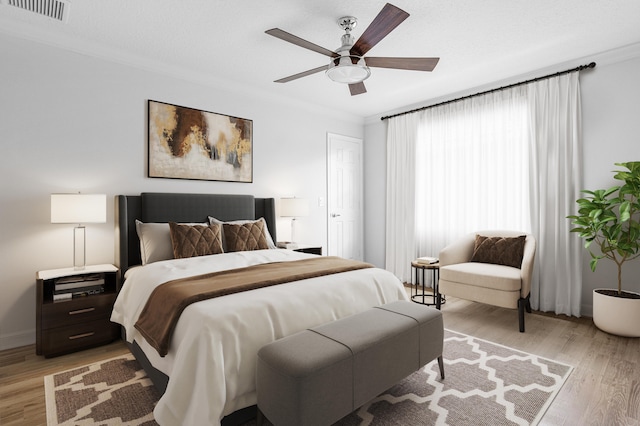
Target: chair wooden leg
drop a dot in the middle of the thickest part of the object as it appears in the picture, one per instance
(528, 306)
(441, 366)
(521, 308)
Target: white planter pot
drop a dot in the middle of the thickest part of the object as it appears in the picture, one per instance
(616, 315)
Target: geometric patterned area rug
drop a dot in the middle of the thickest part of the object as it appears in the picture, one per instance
(111, 392)
(485, 384)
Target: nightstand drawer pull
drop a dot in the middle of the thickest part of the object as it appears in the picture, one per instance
(80, 336)
(81, 311)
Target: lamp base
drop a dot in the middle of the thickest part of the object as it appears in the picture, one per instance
(79, 250)
(293, 230)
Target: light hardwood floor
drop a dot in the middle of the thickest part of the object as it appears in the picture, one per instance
(604, 388)
(21, 379)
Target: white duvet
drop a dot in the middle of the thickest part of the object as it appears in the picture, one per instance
(212, 358)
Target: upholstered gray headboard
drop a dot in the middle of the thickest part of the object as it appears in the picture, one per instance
(175, 207)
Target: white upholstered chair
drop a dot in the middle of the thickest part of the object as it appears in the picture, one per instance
(490, 283)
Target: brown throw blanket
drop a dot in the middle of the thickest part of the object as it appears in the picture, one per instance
(167, 301)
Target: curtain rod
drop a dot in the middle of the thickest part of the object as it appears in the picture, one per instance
(580, 68)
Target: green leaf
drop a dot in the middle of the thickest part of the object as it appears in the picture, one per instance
(625, 211)
(595, 214)
(610, 191)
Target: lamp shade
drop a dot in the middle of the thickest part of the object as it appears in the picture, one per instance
(78, 208)
(294, 207)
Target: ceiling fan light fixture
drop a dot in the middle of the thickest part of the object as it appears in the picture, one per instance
(348, 70)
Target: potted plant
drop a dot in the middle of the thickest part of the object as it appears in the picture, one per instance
(610, 220)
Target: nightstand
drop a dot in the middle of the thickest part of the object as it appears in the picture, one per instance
(300, 247)
(73, 309)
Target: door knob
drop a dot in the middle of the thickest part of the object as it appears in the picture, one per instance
(334, 215)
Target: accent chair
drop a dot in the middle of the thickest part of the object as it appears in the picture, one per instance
(492, 267)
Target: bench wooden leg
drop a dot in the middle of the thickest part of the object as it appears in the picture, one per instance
(441, 365)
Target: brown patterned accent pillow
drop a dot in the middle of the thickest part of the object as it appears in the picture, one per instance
(195, 240)
(499, 250)
(244, 237)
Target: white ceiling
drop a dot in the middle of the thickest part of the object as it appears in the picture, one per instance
(479, 42)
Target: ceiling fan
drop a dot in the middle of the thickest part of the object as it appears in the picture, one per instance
(348, 64)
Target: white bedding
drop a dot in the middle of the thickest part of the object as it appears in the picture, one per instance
(213, 353)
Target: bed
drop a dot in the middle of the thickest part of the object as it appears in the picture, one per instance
(208, 373)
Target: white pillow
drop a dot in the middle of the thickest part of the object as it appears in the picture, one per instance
(270, 243)
(155, 241)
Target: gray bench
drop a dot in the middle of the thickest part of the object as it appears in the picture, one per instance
(319, 375)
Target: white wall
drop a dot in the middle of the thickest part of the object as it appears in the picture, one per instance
(69, 123)
(611, 134)
(375, 191)
(611, 129)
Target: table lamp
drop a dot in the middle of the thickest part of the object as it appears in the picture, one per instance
(293, 208)
(79, 209)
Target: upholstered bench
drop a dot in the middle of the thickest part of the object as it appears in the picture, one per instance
(319, 375)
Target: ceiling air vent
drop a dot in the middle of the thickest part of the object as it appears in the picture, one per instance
(54, 9)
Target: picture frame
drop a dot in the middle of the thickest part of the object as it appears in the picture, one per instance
(187, 143)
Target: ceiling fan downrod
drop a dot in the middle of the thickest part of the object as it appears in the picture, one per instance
(347, 68)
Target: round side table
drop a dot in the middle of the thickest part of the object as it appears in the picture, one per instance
(421, 295)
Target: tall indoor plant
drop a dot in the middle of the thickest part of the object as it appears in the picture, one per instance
(610, 219)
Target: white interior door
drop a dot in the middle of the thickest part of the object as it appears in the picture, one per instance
(344, 171)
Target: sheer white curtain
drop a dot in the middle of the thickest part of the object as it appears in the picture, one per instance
(556, 175)
(472, 168)
(400, 214)
(505, 160)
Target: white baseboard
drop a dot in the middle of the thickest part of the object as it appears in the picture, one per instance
(15, 340)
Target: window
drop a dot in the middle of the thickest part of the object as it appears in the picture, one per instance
(471, 169)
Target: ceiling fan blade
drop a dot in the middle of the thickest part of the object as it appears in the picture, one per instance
(416, 64)
(357, 89)
(283, 35)
(387, 20)
(302, 74)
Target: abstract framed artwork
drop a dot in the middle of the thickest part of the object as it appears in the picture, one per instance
(187, 143)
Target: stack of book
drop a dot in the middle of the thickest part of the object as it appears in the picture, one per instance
(78, 286)
(287, 245)
(427, 260)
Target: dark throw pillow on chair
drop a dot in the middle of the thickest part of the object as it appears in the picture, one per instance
(506, 251)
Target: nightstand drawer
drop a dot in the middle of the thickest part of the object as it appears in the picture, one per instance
(76, 311)
(60, 340)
